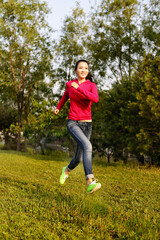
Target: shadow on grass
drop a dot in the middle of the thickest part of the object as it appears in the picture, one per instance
(62, 156)
(55, 155)
(104, 163)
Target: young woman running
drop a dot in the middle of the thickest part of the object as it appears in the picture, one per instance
(81, 92)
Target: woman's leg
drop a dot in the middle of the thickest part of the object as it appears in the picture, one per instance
(76, 159)
(81, 132)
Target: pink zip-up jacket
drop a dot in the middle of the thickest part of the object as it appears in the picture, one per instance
(80, 99)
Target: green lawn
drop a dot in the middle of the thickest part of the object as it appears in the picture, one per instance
(33, 205)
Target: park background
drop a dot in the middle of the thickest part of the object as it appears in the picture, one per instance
(121, 41)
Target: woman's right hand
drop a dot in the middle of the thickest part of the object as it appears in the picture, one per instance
(56, 111)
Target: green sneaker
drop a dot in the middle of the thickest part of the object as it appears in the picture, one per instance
(63, 176)
(94, 186)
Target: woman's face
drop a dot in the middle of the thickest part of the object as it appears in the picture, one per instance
(82, 70)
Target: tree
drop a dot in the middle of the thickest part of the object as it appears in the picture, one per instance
(148, 98)
(116, 42)
(25, 51)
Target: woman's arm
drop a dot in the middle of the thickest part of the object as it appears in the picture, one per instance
(91, 95)
(64, 98)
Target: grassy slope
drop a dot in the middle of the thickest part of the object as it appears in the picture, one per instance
(33, 205)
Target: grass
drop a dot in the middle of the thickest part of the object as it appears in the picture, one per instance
(33, 205)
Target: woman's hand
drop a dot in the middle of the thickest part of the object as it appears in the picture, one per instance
(56, 111)
(75, 85)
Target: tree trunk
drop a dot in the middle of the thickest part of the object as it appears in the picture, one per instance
(19, 140)
(19, 123)
(25, 145)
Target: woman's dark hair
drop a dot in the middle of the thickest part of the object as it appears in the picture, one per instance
(89, 76)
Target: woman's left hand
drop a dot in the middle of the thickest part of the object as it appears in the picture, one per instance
(75, 85)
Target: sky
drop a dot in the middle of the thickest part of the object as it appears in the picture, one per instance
(62, 8)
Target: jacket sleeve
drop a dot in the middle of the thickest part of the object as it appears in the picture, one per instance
(91, 95)
(64, 98)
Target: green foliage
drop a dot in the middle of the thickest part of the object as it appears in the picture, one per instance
(42, 123)
(148, 101)
(34, 206)
(114, 116)
(116, 41)
(151, 27)
(8, 115)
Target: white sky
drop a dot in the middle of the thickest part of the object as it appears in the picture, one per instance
(62, 8)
